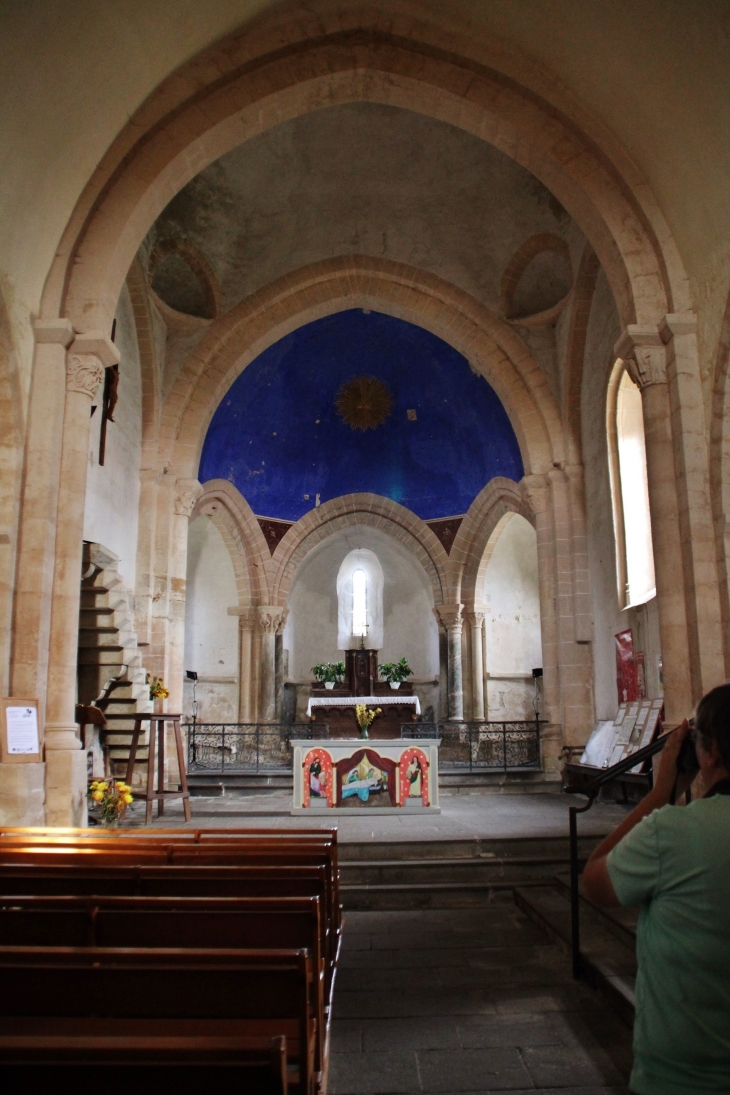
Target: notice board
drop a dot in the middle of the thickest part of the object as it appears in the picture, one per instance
(21, 740)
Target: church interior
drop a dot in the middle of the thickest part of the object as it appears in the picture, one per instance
(363, 480)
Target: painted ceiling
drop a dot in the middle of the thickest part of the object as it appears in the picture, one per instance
(278, 435)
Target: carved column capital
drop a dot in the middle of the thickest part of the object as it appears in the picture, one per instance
(451, 616)
(644, 353)
(247, 619)
(187, 492)
(84, 374)
(269, 618)
(536, 489)
(475, 619)
(88, 356)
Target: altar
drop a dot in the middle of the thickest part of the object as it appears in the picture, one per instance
(353, 775)
(337, 710)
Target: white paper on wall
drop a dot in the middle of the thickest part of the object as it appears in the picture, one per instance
(22, 725)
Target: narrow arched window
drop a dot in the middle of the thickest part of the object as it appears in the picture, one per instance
(359, 603)
(630, 491)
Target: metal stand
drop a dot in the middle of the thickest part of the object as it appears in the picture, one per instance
(156, 751)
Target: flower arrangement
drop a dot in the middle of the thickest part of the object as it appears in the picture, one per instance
(365, 717)
(111, 798)
(395, 672)
(157, 688)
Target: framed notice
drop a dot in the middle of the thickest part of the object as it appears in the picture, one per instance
(21, 740)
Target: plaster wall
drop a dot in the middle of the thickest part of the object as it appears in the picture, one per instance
(409, 625)
(211, 635)
(608, 618)
(512, 621)
(112, 491)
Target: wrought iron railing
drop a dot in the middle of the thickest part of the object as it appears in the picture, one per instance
(482, 746)
(245, 747)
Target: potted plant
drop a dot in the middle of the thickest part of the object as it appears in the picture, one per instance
(110, 798)
(395, 672)
(158, 692)
(329, 673)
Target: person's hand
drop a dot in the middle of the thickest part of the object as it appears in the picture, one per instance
(667, 775)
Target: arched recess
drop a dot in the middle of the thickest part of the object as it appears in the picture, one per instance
(233, 517)
(489, 344)
(370, 510)
(468, 560)
(251, 81)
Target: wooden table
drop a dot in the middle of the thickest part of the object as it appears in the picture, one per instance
(156, 750)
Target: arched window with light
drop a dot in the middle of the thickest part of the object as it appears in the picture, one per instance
(360, 600)
(629, 490)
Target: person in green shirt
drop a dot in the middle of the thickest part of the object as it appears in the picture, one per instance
(674, 862)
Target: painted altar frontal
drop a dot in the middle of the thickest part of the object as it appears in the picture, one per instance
(357, 774)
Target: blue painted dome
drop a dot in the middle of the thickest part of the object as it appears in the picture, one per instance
(277, 434)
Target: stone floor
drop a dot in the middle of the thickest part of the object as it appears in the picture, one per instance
(481, 815)
(465, 1000)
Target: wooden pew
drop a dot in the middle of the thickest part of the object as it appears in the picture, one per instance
(201, 993)
(158, 922)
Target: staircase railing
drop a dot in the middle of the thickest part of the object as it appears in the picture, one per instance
(591, 791)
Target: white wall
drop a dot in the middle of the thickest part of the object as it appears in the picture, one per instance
(409, 628)
(512, 621)
(211, 635)
(112, 491)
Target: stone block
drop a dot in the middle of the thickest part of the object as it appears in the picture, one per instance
(22, 794)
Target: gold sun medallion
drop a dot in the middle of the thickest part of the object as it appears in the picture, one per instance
(364, 402)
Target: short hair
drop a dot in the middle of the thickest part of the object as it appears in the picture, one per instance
(712, 721)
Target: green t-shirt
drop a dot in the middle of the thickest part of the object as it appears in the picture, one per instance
(676, 865)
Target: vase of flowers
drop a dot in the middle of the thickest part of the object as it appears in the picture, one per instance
(329, 673)
(365, 717)
(158, 693)
(109, 798)
(395, 672)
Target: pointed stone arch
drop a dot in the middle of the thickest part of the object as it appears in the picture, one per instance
(489, 344)
(229, 511)
(373, 511)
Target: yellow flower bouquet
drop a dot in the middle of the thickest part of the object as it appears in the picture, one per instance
(110, 798)
(365, 717)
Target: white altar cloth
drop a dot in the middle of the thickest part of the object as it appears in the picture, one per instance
(370, 701)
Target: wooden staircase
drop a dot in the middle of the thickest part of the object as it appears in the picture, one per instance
(108, 649)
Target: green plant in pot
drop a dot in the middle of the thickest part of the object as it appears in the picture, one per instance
(395, 672)
(329, 673)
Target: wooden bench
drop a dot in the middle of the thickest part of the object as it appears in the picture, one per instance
(181, 923)
(231, 994)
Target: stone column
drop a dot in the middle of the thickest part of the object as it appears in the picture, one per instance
(184, 497)
(38, 506)
(443, 709)
(87, 358)
(279, 666)
(476, 623)
(450, 616)
(538, 495)
(645, 355)
(246, 628)
(269, 619)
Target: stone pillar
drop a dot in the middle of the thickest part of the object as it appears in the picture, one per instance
(37, 518)
(476, 623)
(246, 628)
(443, 709)
(87, 358)
(184, 497)
(269, 620)
(450, 616)
(538, 495)
(645, 355)
(279, 666)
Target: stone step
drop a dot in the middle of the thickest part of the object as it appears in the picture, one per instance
(621, 923)
(519, 781)
(608, 964)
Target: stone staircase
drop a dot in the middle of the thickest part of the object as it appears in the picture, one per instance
(108, 648)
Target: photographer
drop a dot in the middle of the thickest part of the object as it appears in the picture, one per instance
(675, 863)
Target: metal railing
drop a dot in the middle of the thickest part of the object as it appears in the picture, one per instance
(591, 791)
(245, 748)
(482, 746)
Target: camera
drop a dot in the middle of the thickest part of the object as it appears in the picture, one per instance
(687, 760)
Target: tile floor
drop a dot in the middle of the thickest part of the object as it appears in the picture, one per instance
(467, 1000)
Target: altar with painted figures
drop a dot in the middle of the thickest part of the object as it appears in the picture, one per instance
(356, 774)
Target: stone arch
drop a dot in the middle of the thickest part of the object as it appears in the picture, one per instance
(12, 429)
(295, 61)
(149, 364)
(584, 287)
(500, 497)
(367, 509)
(197, 262)
(233, 517)
(720, 474)
(490, 345)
